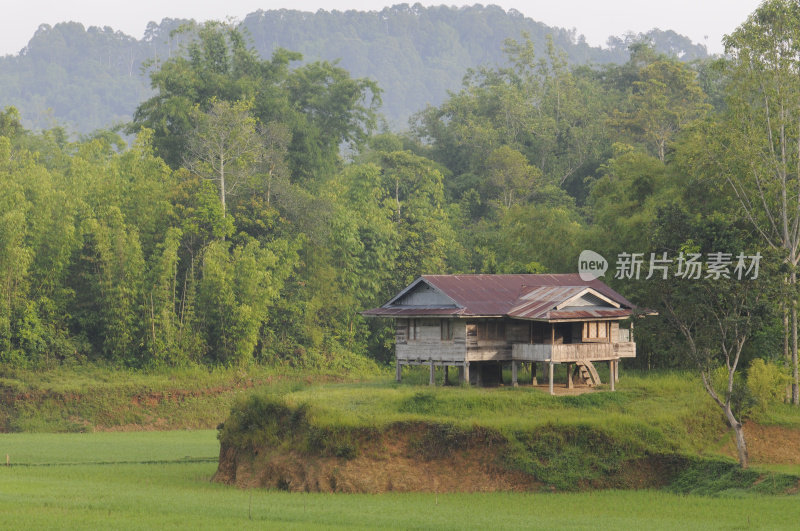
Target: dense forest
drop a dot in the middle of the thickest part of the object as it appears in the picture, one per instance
(88, 79)
(261, 208)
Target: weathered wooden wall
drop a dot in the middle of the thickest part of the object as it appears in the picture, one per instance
(574, 352)
(429, 345)
(420, 340)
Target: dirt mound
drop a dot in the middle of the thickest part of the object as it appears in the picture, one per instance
(391, 462)
(399, 459)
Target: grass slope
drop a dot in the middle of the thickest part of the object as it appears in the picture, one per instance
(662, 423)
(89, 398)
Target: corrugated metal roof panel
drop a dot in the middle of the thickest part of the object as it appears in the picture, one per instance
(536, 301)
(520, 296)
(589, 314)
(411, 312)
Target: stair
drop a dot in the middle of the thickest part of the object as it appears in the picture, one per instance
(588, 373)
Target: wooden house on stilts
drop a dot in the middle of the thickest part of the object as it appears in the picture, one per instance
(477, 323)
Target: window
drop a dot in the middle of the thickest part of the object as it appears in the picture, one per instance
(405, 330)
(495, 329)
(402, 331)
(596, 331)
(472, 334)
(446, 327)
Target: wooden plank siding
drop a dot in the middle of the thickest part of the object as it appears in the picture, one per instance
(489, 353)
(420, 340)
(455, 341)
(574, 352)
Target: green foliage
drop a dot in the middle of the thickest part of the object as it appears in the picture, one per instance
(767, 382)
(665, 99)
(570, 457)
(262, 420)
(122, 255)
(742, 398)
(234, 296)
(265, 421)
(709, 477)
(319, 102)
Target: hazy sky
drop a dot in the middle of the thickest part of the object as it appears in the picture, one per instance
(705, 21)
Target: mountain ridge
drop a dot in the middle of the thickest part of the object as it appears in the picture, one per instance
(91, 78)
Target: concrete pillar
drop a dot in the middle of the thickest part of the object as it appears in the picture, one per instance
(550, 377)
(432, 380)
(460, 373)
(514, 374)
(398, 372)
(466, 372)
(569, 376)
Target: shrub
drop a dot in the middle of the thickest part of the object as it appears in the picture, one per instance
(766, 382)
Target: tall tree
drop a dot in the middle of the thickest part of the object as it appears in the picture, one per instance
(717, 319)
(320, 103)
(719, 310)
(762, 160)
(664, 100)
(510, 173)
(225, 146)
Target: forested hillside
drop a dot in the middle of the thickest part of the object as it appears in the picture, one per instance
(234, 231)
(87, 79)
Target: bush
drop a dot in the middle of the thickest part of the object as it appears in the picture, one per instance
(767, 383)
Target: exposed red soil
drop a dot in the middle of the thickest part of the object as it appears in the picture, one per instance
(768, 444)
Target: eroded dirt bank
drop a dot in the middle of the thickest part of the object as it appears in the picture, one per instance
(403, 459)
(392, 462)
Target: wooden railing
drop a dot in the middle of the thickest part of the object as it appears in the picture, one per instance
(573, 351)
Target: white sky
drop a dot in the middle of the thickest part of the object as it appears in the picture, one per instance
(704, 21)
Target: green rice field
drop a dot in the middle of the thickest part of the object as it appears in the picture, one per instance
(149, 480)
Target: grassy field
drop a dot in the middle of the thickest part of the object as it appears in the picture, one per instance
(134, 479)
(667, 411)
(152, 480)
(90, 397)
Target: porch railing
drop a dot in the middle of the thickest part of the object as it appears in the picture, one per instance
(573, 351)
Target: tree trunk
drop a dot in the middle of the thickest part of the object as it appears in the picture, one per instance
(786, 356)
(269, 187)
(397, 197)
(741, 445)
(222, 180)
(795, 387)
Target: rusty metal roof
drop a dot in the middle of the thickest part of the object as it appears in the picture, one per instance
(416, 311)
(517, 296)
(590, 314)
